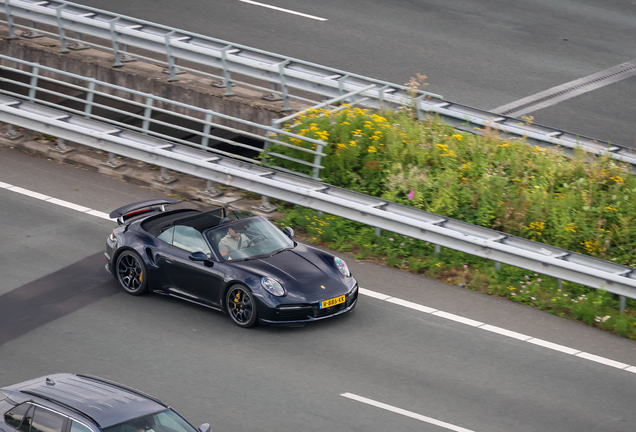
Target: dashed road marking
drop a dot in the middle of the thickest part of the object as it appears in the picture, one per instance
(284, 10)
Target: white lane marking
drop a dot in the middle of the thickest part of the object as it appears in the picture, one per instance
(67, 204)
(55, 201)
(505, 332)
(283, 10)
(602, 360)
(411, 305)
(29, 193)
(553, 346)
(375, 294)
(458, 318)
(498, 330)
(405, 413)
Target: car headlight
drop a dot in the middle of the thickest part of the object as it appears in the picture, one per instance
(272, 286)
(342, 266)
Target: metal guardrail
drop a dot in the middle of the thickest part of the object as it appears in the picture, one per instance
(142, 112)
(269, 72)
(450, 233)
(280, 76)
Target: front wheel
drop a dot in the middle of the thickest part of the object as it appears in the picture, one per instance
(131, 273)
(241, 306)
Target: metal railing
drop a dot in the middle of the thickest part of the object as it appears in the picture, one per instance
(279, 76)
(418, 224)
(198, 128)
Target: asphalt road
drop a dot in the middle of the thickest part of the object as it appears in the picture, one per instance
(483, 54)
(67, 314)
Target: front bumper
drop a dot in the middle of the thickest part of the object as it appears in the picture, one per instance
(295, 314)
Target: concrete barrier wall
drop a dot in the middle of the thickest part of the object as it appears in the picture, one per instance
(148, 78)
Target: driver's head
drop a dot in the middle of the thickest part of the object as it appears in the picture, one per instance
(232, 233)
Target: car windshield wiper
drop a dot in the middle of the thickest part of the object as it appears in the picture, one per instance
(282, 250)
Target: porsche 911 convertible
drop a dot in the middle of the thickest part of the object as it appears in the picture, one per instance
(228, 260)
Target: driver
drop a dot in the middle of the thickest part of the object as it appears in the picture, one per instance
(233, 241)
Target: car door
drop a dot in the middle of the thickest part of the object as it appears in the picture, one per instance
(193, 280)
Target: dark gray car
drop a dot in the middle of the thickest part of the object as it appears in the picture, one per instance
(82, 403)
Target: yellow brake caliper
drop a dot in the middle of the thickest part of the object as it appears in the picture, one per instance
(236, 301)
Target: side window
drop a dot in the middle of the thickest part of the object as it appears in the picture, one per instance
(78, 427)
(188, 238)
(14, 417)
(166, 235)
(28, 419)
(47, 421)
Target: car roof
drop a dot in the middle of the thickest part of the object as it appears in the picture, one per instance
(104, 402)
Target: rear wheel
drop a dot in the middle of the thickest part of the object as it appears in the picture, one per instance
(241, 306)
(131, 273)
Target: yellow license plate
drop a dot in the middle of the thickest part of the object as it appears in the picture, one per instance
(332, 302)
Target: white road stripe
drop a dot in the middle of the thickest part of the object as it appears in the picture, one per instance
(284, 10)
(405, 413)
(55, 201)
(553, 346)
(505, 332)
(458, 318)
(29, 193)
(411, 305)
(602, 360)
(67, 204)
(498, 330)
(375, 294)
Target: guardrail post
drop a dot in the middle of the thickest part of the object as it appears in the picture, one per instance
(283, 85)
(113, 161)
(438, 249)
(622, 303)
(90, 94)
(31, 34)
(78, 45)
(227, 80)
(113, 38)
(147, 115)
(265, 206)
(60, 29)
(34, 82)
(207, 127)
(317, 159)
(12, 133)
(378, 232)
(211, 190)
(7, 9)
(418, 110)
(172, 70)
(164, 177)
(497, 266)
(61, 147)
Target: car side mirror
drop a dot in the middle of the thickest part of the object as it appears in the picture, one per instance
(205, 427)
(200, 256)
(288, 232)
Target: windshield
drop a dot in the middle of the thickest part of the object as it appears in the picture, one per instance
(246, 239)
(164, 421)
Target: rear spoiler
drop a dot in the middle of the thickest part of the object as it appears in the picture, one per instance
(147, 204)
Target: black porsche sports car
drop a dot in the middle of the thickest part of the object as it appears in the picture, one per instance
(227, 260)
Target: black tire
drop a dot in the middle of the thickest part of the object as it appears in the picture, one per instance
(131, 273)
(241, 306)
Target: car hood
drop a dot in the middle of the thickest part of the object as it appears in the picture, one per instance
(307, 274)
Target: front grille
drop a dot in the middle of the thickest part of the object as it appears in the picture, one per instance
(305, 312)
(285, 314)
